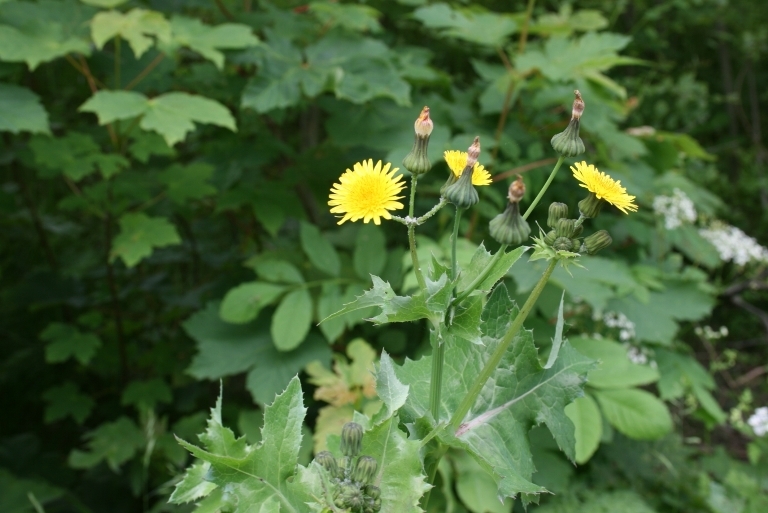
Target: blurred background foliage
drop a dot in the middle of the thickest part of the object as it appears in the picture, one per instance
(164, 179)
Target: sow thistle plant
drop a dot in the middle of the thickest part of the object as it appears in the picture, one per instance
(482, 388)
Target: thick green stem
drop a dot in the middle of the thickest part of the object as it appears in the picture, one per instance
(412, 236)
(454, 238)
(543, 189)
(498, 354)
(436, 382)
(482, 276)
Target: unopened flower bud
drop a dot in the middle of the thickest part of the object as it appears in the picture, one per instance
(556, 211)
(351, 439)
(568, 143)
(417, 160)
(516, 190)
(462, 193)
(374, 492)
(349, 496)
(509, 227)
(596, 242)
(327, 460)
(565, 228)
(365, 469)
(550, 237)
(590, 206)
(473, 152)
(563, 243)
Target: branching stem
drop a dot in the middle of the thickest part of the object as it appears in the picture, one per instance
(501, 349)
(480, 277)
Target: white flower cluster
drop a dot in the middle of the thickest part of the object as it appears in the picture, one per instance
(676, 209)
(619, 320)
(636, 355)
(759, 421)
(735, 245)
(708, 333)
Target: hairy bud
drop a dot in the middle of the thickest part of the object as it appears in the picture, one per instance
(351, 439)
(568, 143)
(556, 211)
(596, 242)
(327, 460)
(365, 469)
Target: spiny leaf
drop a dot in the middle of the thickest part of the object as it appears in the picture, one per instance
(520, 394)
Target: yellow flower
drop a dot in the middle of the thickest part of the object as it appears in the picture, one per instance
(457, 161)
(604, 187)
(368, 192)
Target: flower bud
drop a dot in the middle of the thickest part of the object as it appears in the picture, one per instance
(417, 160)
(327, 460)
(596, 242)
(550, 237)
(509, 227)
(563, 243)
(374, 492)
(462, 193)
(365, 469)
(349, 496)
(556, 211)
(565, 228)
(590, 206)
(351, 439)
(568, 143)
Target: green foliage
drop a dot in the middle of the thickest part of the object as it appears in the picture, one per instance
(20, 110)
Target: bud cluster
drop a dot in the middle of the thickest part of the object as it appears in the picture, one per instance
(564, 235)
(352, 475)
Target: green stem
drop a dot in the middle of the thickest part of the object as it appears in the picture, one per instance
(412, 236)
(482, 276)
(498, 354)
(454, 238)
(440, 204)
(436, 382)
(544, 189)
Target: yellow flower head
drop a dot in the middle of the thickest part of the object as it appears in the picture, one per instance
(604, 187)
(457, 161)
(367, 192)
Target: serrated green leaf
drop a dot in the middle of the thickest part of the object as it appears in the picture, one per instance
(614, 369)
(67, 401)
(225, 349)
(557, 342)
(292, 320)
(147, 144)
(635, 413)
(140, 235)
(476, 487)
(319, 250)
(75, 155)
(481, 259)
(114, 442)
(193, 485)
(267, 475)
(466, 320)
(388, 386)
(394, 308)
(209, 41)
(66, 341)
(35, 32)
(243, 303)
(111, 106)
(359, 18)
(588, 423)
(146, 394)
(136, 26)
(370, 252)
(484, 28)
(188, 182)
(21, 111)
(519, 395)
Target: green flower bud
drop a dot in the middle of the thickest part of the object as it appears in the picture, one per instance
(568, 143)
(590, 206)
(462, 193)
(376, 505)
(327, 460)
(596, 242)
(556, 211)
(349, 496)
(509, 227)
(365, 469)
(351, 439)
(450, 181)
(417, 161)
(550, 237)
(374, 492)
(563, 243)
(565, 228)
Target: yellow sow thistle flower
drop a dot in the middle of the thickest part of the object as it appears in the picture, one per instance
(603, 187)
(457, 161)
(366, 192)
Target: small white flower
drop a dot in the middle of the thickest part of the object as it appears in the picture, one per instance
(759, 421)
(636, 356)
(619, 320)
(734, 245)
(676, 209)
